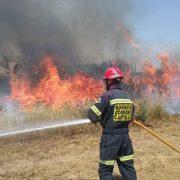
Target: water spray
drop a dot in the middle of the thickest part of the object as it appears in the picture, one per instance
(47, 127)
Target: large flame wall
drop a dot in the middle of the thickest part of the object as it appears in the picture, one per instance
(52, 90)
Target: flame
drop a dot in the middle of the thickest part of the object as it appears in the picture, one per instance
(164, 79)
(52, 90)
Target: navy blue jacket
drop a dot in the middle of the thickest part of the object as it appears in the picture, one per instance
(113, 110)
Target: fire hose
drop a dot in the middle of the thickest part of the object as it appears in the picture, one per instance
(156, 135)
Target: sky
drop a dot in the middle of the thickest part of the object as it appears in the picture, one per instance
(158, 22)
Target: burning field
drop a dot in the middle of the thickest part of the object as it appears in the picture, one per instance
(54, 91)
(46, 92)
(72, 152)
(52, 59)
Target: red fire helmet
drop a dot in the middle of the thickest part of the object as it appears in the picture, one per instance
(112, 73)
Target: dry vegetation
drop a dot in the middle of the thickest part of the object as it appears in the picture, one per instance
(40, 114)
(72, 153)
(12, 118)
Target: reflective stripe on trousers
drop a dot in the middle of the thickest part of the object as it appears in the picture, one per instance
(122, 158)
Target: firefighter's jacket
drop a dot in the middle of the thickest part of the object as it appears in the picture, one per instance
(113, 110)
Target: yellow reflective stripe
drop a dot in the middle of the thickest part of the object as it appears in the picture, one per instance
(96, 110)
(126, 158)
(116, 101)
(108, 162)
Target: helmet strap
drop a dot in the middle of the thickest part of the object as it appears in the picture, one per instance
(107, 85)
(114, 81)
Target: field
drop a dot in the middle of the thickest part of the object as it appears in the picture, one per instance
(72, 153)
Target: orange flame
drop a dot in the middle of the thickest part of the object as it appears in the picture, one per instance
(165, 79)
(52, 90)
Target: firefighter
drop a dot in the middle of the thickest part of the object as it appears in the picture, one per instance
(114, 111)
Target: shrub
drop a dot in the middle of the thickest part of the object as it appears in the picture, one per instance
(157, 111)
(152, 110)
(141, 109)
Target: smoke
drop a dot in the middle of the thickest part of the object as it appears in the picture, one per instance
(74, 31)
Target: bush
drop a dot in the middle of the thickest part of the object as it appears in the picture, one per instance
(151, 110)
(141, 109)
(158, 112)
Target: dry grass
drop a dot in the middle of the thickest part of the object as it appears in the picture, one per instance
(72, 153)
(12, 118)
(40, 114)
(151, 110)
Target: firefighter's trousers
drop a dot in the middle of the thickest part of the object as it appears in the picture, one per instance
(116, 146)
